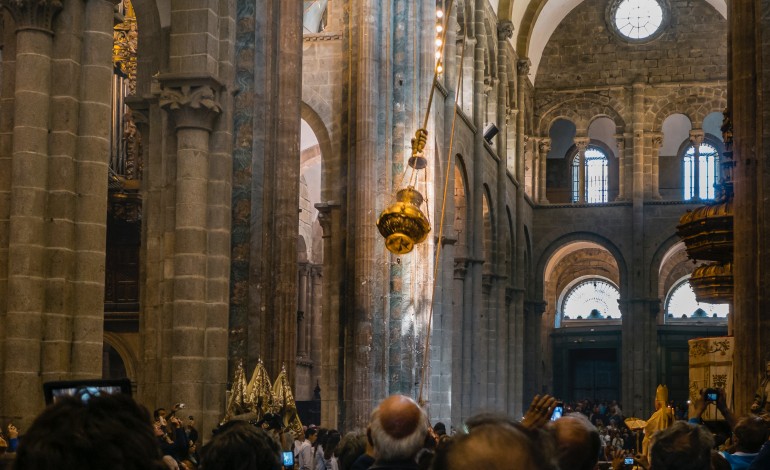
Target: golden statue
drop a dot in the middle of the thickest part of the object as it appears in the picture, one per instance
(662, 418)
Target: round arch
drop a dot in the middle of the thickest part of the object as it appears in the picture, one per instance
(538, 20)
(576, 110)
(125, 350)
(317, 125)
(570, 242)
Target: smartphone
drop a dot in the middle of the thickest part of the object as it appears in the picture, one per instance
(711, 394)
(288, 459)
(84, 389)
(558, 411)
(629, 461)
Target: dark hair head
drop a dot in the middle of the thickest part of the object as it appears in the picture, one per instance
(352, 446)
(111, 431)
(241, 446)
(751, 432)
(310, 432)
(682, 446)
(439, 428)
(332, 440)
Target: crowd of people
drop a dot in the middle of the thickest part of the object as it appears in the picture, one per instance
(113, 431)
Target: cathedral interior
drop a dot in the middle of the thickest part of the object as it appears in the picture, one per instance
(190, 186)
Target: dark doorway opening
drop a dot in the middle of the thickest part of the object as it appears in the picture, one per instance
(594, 374)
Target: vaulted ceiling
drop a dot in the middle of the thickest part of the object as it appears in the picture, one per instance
(534, 21)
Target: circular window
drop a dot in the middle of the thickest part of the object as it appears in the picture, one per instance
(637, 20)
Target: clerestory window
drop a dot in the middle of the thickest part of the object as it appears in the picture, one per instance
(595, 184)
(699, 182)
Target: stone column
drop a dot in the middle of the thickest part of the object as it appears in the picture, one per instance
(193, 104)
(545, 147)
(303, 316)
(621, 142)
(522, 68)
(696, 138)
(749, 79)
(91, 183)
(657, 141)
(331, 361)
(582, 144)
(316, 322)
(535, 185)
(507, 380)
(25, 302)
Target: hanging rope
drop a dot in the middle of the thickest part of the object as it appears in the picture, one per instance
(426, 355)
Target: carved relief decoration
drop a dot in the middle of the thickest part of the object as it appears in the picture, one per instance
(125, 41)
(33, 13)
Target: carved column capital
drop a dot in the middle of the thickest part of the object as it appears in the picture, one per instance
(522, 66)
(192, 101)
(33, 14)
(697, 136)
(504, 30)
(657, 139)
(620, 140)
(545, 145)
(581, 143)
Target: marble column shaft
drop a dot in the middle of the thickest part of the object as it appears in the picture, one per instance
(545, 147)
(582, 144)
(696, 139)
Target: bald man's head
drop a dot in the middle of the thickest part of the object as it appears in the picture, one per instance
(397, 429)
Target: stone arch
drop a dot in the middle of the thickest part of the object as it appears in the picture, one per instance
(540, 19)
(488, 230)
(151, 17)
(663, 253)
(126, 352)
(317, 125)
(582, 111)
(460, 223)
(544, 262)
(694, 102)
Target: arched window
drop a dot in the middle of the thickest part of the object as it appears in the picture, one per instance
(595, 173)
(592, 299)
(681, 304)
(708, 170)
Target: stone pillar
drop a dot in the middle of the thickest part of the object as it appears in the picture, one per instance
(367, 249)
(582, 144)
(621, 142)
(303, 315)
(91, 183)
(331, 361)
(480, 373)
(522, 68)
(193, 104)
(657, 141)
(696, 138)
(535, 185)
(749, 79)
(316, 324)
(545, 147)
(25, 302)
(506, 381)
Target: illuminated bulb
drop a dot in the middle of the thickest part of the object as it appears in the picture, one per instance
(439, 28)
(439, 13)
(439, 68)
(438, 42)
(438, 55)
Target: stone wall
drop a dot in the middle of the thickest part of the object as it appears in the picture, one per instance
(583, 51)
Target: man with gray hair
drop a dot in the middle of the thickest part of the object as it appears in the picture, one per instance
(682, 446)
(397, 431)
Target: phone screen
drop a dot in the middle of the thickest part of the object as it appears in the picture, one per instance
(557, 412)
(711, 396)
(629, 461)
(84, 389)
(288, 459)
